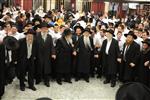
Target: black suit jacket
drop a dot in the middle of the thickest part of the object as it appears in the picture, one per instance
(22, 57)
(109, 62)
(44, 51)
(84, 55)
(2, 69)
(64, 56)
(132, 54)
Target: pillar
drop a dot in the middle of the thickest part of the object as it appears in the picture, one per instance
(106, 7)
(79, 5)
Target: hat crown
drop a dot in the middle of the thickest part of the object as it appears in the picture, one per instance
(110, 31)
(67, 32)
(132, 34)
(44, 24)
(11, 43)
(30, 31)
(146, 41)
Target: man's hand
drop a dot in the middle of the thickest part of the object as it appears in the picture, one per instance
(15, 62)
(54, 56)
(119, 60)
(96, 56)
(132, 64)
(74, 53)
(146, 63)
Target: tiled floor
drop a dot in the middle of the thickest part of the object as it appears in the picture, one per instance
(95, 90)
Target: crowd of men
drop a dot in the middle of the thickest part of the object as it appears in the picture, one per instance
(58, 45)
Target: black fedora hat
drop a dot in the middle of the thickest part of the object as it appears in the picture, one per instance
(147, 41)
(44, 98)
(36, 19)
(133, 91)
(29, 23)
(30, 31)
(36, 27)
(44, 24)
(47, 16)
(80, 27)
(110, 31)
(11, 43)
(132, 34)
(87, 30)
(67, 31)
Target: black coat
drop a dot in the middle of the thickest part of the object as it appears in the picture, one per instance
(144, 71)
(64, 56)
(109, 62)
(44, 51)
(83, 56)
(10, 67)
(133, 91)
(75, 38)
(132, 56)
(74, 61)
(22, 61)
(2, 69)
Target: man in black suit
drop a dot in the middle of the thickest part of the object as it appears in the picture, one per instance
(11, 45)
(2, 70)
(144, 65)
(64, 49)
(45, 53)
(83, 51)
(27, 56)
(109, 55)
(130, 56)
(77, 34)
(8, 57)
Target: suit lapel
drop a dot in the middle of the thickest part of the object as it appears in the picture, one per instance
(65, 43)
(82, 39)
(130, 48)
(41, 39)
(111, 45)
(25, 47)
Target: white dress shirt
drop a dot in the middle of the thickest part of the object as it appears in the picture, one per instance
(82, 23)
(29, 50)
(8, 53)
(139, 41)
(18, 36)
(121, 42)
(2, 35)
(98, 40)
(55, 36)
(44, 36)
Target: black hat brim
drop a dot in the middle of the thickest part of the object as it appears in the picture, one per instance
(109, 32)
(134, 36)
(44, 25)
(131, 89)
(147, 42)
(87, 31)
(80, 27)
